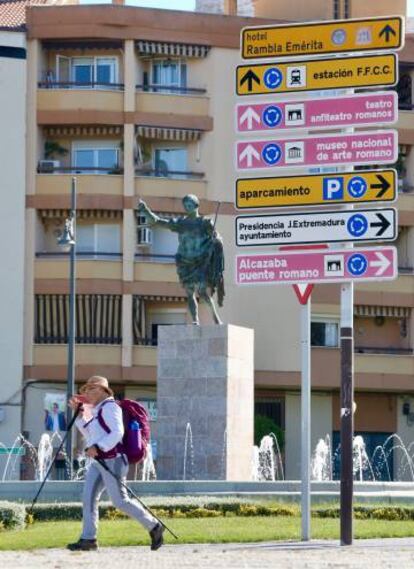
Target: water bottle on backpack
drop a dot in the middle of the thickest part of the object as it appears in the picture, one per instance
(133, 437)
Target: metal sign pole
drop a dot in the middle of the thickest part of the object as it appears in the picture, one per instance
(347, 415)
(305, 312)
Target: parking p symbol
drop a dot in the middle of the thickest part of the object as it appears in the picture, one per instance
(333, 188)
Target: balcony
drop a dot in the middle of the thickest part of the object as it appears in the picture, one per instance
(159, 268)
(58, 183)
(171, 183)
(326, 368)
(170, 99)
(404, 284)
(93, 265)
(144, 356)
(85, 355)
(70, 96)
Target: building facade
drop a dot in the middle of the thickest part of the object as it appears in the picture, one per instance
(12, 216)
(139, 103)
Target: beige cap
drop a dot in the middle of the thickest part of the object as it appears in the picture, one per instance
(97, 381)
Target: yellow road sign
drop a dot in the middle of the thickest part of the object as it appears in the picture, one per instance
(317, 189)
(317, 75)
(316, 38)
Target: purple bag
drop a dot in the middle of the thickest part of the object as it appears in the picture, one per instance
(137, 431)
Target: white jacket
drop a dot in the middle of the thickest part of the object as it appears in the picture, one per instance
(95, 434)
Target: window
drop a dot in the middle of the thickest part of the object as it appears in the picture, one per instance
(98, 238)
(87, 71)
(324, 333)
(169, 73)
(170, 161)
(95, 160)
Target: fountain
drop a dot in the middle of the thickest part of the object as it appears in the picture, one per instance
(267, 460)
(188, 441)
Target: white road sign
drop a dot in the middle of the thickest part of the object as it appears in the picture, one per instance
(325, 227)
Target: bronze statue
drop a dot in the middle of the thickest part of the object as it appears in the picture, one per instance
(200, 256)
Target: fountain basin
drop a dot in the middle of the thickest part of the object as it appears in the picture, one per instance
(284, 491)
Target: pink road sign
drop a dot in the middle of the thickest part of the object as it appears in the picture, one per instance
(328, 266)
(316, 113)
(376, 147)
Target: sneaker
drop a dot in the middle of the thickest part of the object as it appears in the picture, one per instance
(83, 545)
(157, 538)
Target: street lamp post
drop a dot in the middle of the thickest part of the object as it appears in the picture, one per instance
(68, 241)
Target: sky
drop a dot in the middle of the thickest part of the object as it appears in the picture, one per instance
(166, 4)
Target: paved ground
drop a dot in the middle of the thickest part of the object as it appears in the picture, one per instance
(367, 554)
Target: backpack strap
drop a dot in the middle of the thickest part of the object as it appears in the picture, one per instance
(100, 418)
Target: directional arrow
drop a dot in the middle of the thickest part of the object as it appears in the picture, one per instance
(250, 77)
(383, 186)
(249, 153)
(383, 224)
(382, 263)
(387, 31)
(249, 115)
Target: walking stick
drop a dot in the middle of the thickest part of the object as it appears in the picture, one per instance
(106, 467)
(70, 425)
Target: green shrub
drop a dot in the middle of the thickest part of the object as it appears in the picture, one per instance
(264, 426)
(12, 515)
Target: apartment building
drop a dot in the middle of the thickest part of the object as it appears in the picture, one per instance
(139, 103)
(12, 212)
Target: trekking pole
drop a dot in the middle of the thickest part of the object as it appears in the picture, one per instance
(70, 425)
(106, 467)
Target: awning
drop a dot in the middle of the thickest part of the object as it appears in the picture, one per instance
(145, 47)
(91, 130)
(391, 311)
(81, 45)
(159, 298)
(164, 133)
(81, 214)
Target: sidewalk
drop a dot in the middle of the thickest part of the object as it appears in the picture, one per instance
(367, 554)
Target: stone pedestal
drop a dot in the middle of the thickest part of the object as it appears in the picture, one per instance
(205, 379)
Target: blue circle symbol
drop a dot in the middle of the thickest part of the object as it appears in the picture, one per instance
(357, 225)
(357, 264)
(272, 116)
(273, 78)
(357, 187)
(271, 153)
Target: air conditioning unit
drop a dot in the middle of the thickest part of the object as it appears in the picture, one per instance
(144, 236)
(48, 166)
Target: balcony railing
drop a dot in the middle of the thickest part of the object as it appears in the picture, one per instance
(49, 169)
(145, 341)
(162, 173)
(379, 350)
(405, 270)
(405, 106)
(80, 85)
(154, 258)
(98, 321)
(171, 89)
(101, 255)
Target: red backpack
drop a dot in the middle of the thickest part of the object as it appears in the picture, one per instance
(137, 432)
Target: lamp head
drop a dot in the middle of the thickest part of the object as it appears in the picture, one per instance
(66, 240)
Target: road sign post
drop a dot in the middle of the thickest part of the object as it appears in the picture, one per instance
(378, 147)
(317, 75)
(316, 189)
(317, 227)
(364, 264)
(318, 38)
(297, 42)
(318, 113)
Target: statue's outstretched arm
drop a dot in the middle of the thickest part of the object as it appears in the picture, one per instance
(150, 216)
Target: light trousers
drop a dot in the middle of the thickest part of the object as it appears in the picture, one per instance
(96, 481)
